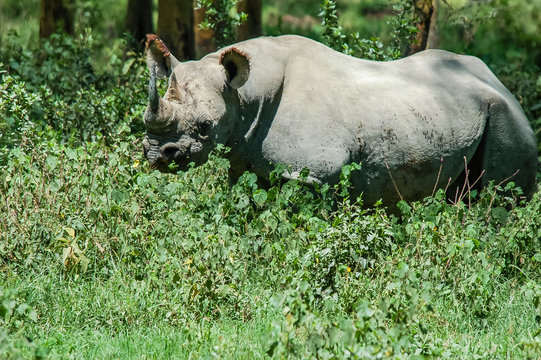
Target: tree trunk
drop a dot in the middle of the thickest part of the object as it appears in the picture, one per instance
(204, 43)
(176, 27)
(425, 14)
(251, 28)
(139, 18)
(433, 36)
(54, 15)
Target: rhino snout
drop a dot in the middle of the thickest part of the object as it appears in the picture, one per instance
(159, 157)
(173, 152)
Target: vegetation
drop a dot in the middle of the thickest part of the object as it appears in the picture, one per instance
(102, 258)
(221, 17)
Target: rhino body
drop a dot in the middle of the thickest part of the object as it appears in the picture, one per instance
(290, 100)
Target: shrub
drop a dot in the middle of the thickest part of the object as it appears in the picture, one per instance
(16, 107)
(403, 34)
(63, 91)
(222, 17)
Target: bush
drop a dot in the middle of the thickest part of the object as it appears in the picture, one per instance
(222, 17)
(63, 91)
(16, 107)
(404, 32)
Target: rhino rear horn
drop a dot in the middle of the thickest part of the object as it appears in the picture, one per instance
(159, 56)
(237, 67)
(153, 91)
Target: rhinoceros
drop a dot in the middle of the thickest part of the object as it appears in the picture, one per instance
(413, 124)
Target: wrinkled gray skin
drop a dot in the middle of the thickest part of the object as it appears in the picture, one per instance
(302, 104)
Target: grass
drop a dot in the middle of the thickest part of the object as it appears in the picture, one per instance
(494, 337)
(20, 16)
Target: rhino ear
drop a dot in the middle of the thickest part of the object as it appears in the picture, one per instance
(237, 67)
(159, 56)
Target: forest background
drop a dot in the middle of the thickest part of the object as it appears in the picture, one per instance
(100, 257)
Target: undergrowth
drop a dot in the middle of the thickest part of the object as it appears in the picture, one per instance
(342, 281)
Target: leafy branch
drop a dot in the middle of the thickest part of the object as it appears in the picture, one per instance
(222, 17)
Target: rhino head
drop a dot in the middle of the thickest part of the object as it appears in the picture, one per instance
(198, 108)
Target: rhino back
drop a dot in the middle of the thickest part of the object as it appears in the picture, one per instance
(314, 107)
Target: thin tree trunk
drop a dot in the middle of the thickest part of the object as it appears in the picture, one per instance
(425, 13)
(204, 43)
(176, 27)
(433, 35)
(55, 14)
(139, 18)
(251, 28)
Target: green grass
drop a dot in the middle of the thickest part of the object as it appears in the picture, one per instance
(21, 16)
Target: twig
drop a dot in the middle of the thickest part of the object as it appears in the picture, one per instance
(392, 179)
(438, 178)
(467, 174)
(447, 186)
(509, 178)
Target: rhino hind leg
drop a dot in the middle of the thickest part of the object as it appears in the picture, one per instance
(508, 151)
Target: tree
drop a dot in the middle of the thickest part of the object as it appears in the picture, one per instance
(55, 14)
(425, 18)
(176, 27)
(204, 43)
(250, 28)
(139, 18)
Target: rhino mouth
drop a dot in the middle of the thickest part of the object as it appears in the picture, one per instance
(171, 157)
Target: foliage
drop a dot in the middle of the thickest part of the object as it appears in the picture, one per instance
(403, 34)
(62, 90)
(333, 35)
(16, 104)
(16, 318)
(404, 25)
(343, 281)
(222, 17)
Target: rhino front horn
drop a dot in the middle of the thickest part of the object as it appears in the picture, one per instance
(159, 111)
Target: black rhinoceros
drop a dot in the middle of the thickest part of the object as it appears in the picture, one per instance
(291, 100)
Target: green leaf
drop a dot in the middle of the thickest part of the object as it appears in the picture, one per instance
(71, 153)
(119, 196)
(52, 162)
(70, 231)
(127, 65)
(33, 315)
(66, 253)
(402, 270)
(84, 262)
(260, 196)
